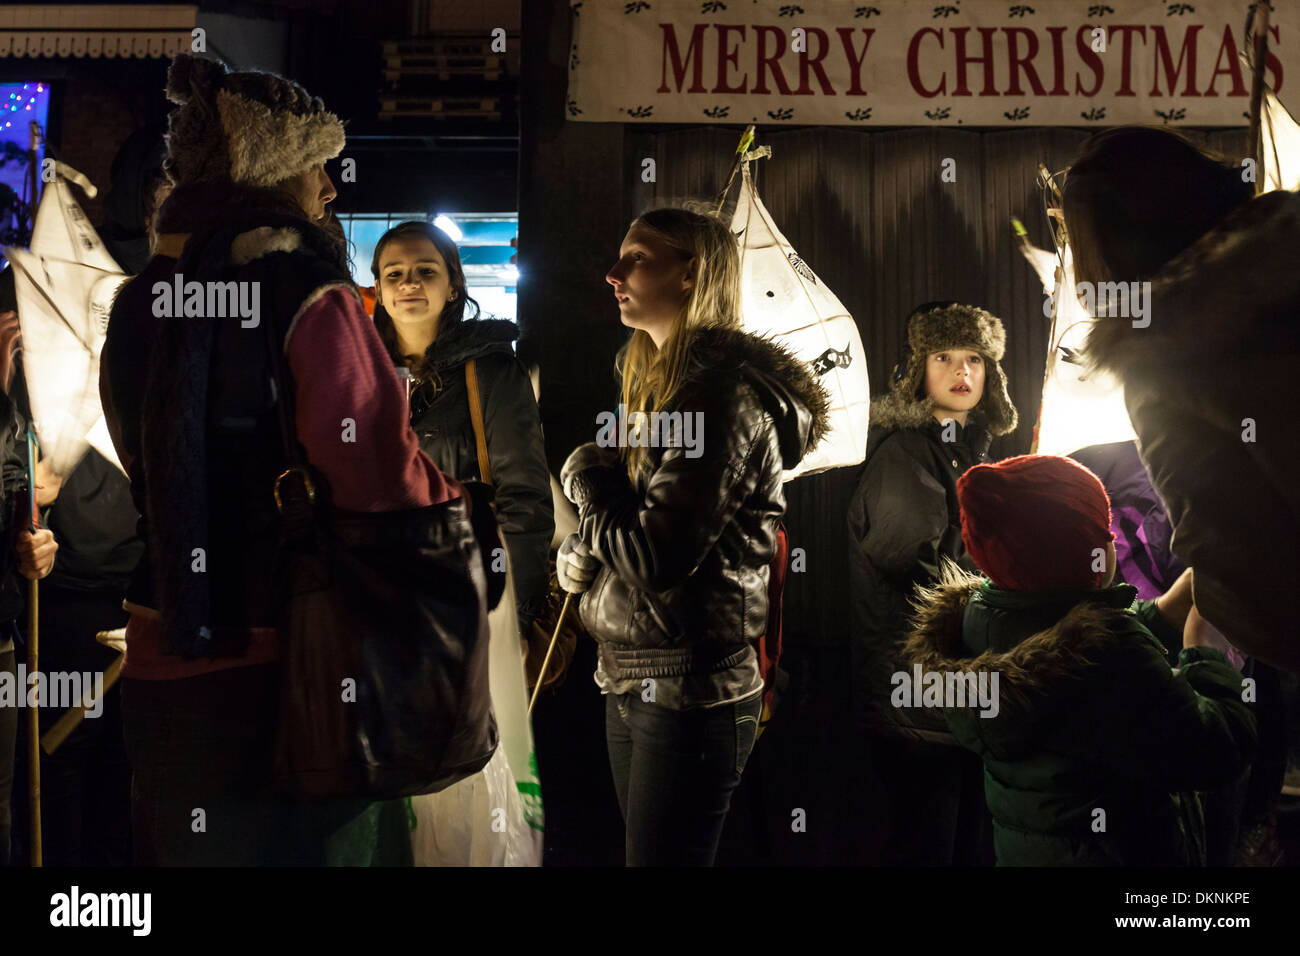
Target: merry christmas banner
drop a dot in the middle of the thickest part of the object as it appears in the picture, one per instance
(911, 63)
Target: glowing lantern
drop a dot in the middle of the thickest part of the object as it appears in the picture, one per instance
(782, 299)
(65, 287)
(1078, 410)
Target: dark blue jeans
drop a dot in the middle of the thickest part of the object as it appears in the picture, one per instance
(674, 772)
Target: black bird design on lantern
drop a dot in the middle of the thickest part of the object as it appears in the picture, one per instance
(832, 358)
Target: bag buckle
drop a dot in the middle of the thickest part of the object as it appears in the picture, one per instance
(306, 481)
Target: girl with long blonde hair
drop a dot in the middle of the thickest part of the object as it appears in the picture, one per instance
(678, 515)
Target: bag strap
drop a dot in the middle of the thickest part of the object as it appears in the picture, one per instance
(296, 509)
(476, 417)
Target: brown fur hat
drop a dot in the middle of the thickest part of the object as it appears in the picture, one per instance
(253, 128)
(935, 330)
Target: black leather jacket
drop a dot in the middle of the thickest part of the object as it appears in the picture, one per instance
(521, 482)
(682, 597)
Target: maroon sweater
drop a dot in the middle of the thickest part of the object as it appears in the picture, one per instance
(340, 370)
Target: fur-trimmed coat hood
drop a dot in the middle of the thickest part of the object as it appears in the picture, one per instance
(1034, 666)
(789, 390)
(1089, 722)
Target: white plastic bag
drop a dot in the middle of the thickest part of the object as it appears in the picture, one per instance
(494, 817)
(476, 822)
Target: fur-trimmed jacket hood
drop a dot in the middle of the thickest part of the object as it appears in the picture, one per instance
(1038, 645)
(789, 390)
(1086, 722)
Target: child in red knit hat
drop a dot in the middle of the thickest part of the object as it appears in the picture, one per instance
(1095, 745)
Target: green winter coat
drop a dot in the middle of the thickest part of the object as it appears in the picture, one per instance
(1095, 745)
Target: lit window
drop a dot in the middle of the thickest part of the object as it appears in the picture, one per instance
(484, 244)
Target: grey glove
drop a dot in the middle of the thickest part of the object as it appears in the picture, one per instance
(588, 467)
(575, 566)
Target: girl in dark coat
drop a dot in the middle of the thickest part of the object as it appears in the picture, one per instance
(420, 311)
(947, 402)
(677, 529)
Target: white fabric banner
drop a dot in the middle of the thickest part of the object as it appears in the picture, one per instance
(917, 62)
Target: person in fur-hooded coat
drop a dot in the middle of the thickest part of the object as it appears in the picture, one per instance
(1092, 748)
(677, 534)
(682, 594)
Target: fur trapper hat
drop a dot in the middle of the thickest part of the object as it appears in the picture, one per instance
(935, 330)
(253, 128)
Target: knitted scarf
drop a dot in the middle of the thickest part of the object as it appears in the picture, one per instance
(174, 426)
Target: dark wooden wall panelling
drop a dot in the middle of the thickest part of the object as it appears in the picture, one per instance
(872, 215)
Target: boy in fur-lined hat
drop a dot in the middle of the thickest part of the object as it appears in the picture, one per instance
(1094, 746)
(947, 401)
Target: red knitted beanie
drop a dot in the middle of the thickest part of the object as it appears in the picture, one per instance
(1034, 522)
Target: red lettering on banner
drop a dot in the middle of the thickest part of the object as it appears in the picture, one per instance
(1174, 59)
(814, 63)
(1228, 46)
(913, 74)
(1090, 57)
(1165, 57)
(855, 59)
(726, 59)
(768, 61)
(693, 53)
(1058, 62)
(1273, 63)
(1126, 70)
(963, 58)
(1019, 63)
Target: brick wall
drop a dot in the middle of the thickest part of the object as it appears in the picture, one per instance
(101, 103)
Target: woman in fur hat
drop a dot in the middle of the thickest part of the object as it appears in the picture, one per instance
(948, 399)
(194, 421)
(676, 532)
